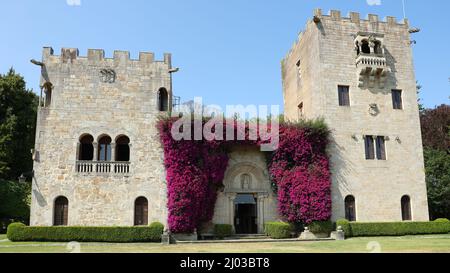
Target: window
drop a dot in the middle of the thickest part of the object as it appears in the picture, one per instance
(61, 211)
(365, 48)
(104, 149)
(381, 151)
(123, 148)
(350, 208)
(344, 98)
(48, 93)
(377, 48)
(397, 99)
(369, 147)
(86, 151)
(163, 100)
(300, 110)
(141, 211)
(406, 208)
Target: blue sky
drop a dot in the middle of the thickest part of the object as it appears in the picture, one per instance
(228, 51)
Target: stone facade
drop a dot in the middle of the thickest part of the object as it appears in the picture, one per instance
(99, 96)
(324, 57)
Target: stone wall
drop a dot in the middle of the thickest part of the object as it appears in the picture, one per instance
(85, 101)
(327, 55)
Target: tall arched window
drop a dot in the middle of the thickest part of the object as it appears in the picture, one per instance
(61, 211)
(104, 148)
(350, 211)
(122, 148)
(163, 100)
(406, 208)
(48, 87)
(86, 151)
(141, 211)
(365, 48)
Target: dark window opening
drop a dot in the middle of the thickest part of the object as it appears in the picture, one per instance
(141, 212)
(377, 48)
(365, 48)
(369, 147)
(397, 99)
(163, 100)
(104, 149)
(406, 208)
(61, 211)
(350, 211)
(48, 87)
(344, 95)
(86, 148)
(381, 151)
(123, 149)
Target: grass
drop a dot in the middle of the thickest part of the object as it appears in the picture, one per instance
(405, 244)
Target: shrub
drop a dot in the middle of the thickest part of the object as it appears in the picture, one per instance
(20, 232)
(278, 230)
(442, 220)
(223, 230)
(318, 227)
(345, 224)
(398, 228)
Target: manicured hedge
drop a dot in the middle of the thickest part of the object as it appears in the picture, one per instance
(278, 230)
(321, 227)
(223, 230)
(358, 229)
(20, 232)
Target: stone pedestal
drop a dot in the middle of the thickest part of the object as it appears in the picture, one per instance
(185, 236)
(307, 235)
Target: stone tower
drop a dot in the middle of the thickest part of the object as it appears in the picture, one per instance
(98, 159)
(358, 75)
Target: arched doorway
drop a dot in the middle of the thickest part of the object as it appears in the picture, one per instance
(245, 214)
(406, 208)
(141, 211)
(61, 211)
(350, 211)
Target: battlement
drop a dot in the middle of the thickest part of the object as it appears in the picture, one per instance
(352, 17)
(355, 17)
(69, 55)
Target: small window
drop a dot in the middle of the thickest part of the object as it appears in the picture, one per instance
(381, 151)
(397, 99)
(300, 110)
(163, 100)
(48, 87)
(377, 48)
(344, 97)
(141, 212)
(123, 148)
(365, 48)
(104, 149)
(406, 208)
(61, 211)
(369, 147)
(350, 211)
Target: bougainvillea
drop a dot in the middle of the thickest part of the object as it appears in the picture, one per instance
(299, 170)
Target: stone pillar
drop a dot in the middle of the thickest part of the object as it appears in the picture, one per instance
(231, 198)
(95, 144)
(78, 151)
(261, 209)
(113, 151)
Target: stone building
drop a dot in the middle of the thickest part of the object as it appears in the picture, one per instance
(358, 75)
(98, 160)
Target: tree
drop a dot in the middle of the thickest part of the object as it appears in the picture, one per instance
(18, 107)
(437, 166)
(435, 125)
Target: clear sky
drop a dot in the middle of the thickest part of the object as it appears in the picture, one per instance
(228, 51)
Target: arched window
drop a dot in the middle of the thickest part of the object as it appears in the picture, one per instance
(141, 211)
(86, 151)
(122, 148)
(406, 208)
(61, 211)
(48, 87)
(377, 48)
(104, 149)
(163, 100)
(365, 48)
(350, 211)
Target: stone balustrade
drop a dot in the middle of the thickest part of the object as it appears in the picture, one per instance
(374, 61)
(102, 167)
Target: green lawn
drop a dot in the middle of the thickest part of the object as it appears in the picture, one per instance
(426, 243)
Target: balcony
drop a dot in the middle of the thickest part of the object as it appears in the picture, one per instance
(102, 167)
(372, 68)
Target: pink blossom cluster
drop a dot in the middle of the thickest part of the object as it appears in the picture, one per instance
(195, 171)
